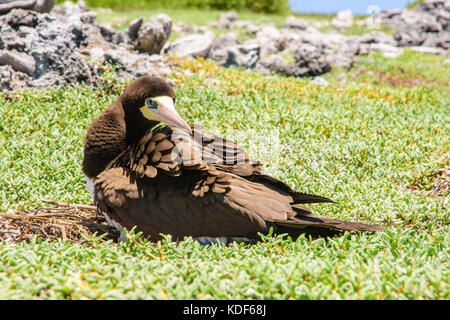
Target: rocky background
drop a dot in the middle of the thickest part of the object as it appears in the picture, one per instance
(43, 45)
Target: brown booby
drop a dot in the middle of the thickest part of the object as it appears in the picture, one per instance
(184, 181)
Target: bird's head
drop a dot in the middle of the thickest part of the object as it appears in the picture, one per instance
(152, 99)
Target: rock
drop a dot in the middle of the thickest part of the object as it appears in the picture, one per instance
(319, 81)
(389, 14)
(196, 45)
(247, 25)
(288, 41)
(411, 38)
(70, 13)
(225, 40)
(19, 61)
(54, 51)
(226, 20)
(338, 50)
(426, 24)
(43, 48)
(131, 65)
(185, 28)
(308, 61)
(133, 28)
(219, 47)
(154, 34)
(343, 19)
(97, 54)
(440, 40)
(273, 63)
(341, 61)
(12, 80)
(312, 29)
(44, 5)
(386, 50)
(343, 52)
(378, 41)
(35, 5)
(268, 37)
(112, 36)
(431, 50)
(241, 55)
(295, 23)
(227, 51)
(69, 8)
(18, 18)
(7, 6)
(376, 37)
(334, 49)
(100, 37)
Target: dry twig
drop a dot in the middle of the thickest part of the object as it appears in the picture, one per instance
(64, 221)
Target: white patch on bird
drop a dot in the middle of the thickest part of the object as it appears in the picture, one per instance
(116, 225)
(239, 239)
(204, 241)
(90, 186)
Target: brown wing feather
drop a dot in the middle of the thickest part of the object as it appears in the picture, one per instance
(171, 182)
(217, 204)
(228, 156)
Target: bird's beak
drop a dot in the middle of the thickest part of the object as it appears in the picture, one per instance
(167, 113)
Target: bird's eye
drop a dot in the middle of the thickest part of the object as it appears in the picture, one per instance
(152, 104)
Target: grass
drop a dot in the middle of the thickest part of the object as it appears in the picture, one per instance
(261, 6)
(364, 267)
(430, 69)
(363, 143)
(411, 4)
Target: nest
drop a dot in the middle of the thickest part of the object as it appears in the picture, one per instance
(75, 223)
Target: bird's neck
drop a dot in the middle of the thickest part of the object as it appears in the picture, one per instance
(110, 134)
(136, 126)
(105, 140)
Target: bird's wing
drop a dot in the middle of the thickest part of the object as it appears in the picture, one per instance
(169, 184)
(172, 151)
(216, 204)
(227, 156)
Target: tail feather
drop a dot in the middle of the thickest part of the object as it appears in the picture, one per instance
(299, 209)
(321, 226)
(298, 197)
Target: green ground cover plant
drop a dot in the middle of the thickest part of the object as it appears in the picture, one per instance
(365, 141)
